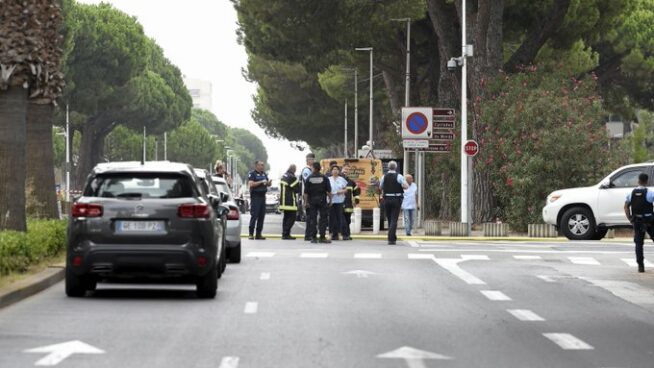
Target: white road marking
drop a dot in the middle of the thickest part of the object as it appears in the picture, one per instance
(229, 362)
(525, 315)
(367, 255)
(452, 265)
(260, 254)
(589, 261)
(567, 341)
(251, 308)
(314, 255)
(495, 295)
(528, 258)
(265, 276)
(420, 256)
(553, 278)
(475, 257)
(632, 262)
(413, 244)
(361, 274)
(629, 291)
(57, 353)
(450, 250)
(414, 358)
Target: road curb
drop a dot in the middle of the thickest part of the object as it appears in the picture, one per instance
(31, 285)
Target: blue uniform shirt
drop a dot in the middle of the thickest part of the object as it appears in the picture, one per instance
(337, 184)
(261, 189)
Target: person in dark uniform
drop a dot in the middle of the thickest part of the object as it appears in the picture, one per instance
(317, 196)
(304, 174)
(640, 212)
(258, 182)
(290, 188)
(352, 198)
(392, 191)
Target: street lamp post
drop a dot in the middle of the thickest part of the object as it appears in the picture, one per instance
(345, 142)
(371, 93)
(356, 112)
(67, 155)
(407, 82)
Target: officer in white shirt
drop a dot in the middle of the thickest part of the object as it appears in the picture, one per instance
(392, 191)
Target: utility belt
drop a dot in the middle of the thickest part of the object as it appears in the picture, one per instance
(643, 219)
(394, 195)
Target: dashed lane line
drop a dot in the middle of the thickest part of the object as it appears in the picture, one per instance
(314, 255)
(229, 362)
(367, 255)
(260, 255)
(632, 262)
(265, 276)
(475, 257)
(251, 308)
(528, 258)
(495, 295)
(525, 315)
(588, 261)
(567, 341)
(420, 256)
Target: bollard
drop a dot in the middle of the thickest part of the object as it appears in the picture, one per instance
(356, 224)
(458, 229)
(492, 229)
(541, 231)
(376, 212)
(432, 227)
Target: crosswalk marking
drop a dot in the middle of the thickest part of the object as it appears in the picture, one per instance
(368, 256)
(494, 295)
(260, 255)
(525, 315)
(589, 261)
(567, 341)
(528, 258)
(632, 262)
(314, 255)
(265, 276)
(420, 256)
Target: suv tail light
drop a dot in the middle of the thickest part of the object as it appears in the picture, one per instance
(86, 210)
(233, 214)
(193, 210)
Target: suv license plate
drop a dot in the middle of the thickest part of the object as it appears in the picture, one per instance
(140, 227)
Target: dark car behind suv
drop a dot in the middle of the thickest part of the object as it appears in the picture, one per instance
(146, 220)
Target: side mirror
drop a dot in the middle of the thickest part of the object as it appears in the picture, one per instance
(224, 197)
(605, 184)
(215, 201)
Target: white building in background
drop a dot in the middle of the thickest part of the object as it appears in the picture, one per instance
(200, 90)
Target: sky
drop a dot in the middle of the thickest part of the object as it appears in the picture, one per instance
(199, 36)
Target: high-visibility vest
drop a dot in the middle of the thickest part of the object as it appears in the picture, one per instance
(287, 199)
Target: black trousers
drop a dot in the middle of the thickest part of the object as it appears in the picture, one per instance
(313, 226)
(392, 207)
(288, 222)
(336, 219)
(257, 213)
(346, 225)
(640, 229)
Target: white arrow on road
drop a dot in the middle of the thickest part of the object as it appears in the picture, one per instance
(58, 352)
(414, 358)
(360, 273)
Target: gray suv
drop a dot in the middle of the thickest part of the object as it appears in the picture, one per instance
(146, 220)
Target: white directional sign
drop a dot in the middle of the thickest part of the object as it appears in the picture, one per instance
(417, 122)
(415, 143)
(359, 273)
(59, 352)
(414, 357)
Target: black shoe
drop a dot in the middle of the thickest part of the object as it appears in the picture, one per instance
(391, 242)
(288, 237)
(347, 238)
(325, 241)
(314, 241)
(307, 239)
(335, 237)
(641, 268)
(259, 237)
(251, 237)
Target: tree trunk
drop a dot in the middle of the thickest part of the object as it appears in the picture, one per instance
(13, 109)
(40, 160)
(90, 151)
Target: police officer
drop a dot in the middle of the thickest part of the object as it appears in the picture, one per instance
(352, 197)
(392, 191)
(304, 174)
(640, 212)
(317, 196)
(258, 182)
(290, 188)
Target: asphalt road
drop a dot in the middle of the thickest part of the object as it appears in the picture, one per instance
(362, 304)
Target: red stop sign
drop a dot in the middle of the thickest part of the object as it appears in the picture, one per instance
(471, 148)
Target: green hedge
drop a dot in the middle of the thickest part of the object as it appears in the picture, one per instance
(44, 239)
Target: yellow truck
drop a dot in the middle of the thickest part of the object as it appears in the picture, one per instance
(366, 173)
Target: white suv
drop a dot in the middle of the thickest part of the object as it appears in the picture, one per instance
(587, 213)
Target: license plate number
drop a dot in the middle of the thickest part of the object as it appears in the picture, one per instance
(140, 227)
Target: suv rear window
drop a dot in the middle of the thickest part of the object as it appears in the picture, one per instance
(144, 185)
